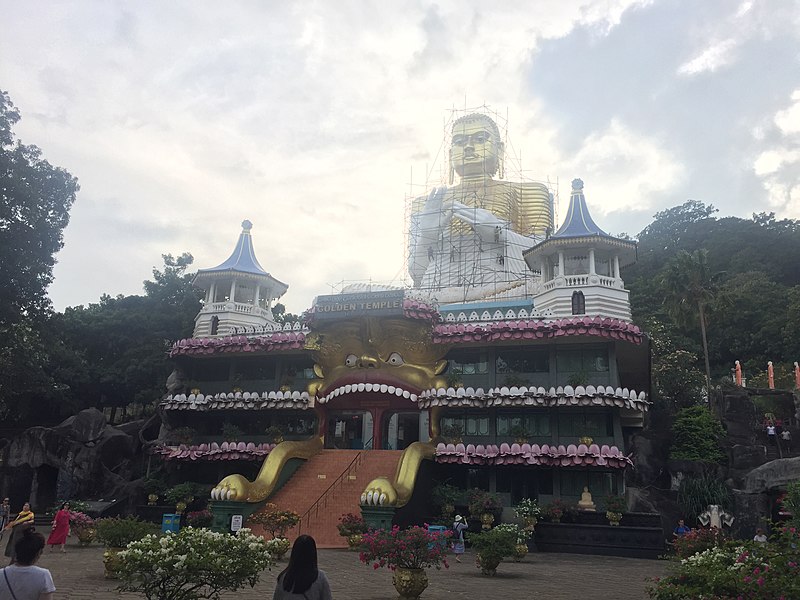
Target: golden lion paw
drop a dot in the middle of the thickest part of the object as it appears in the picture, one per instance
(233, 488)
(379, 492)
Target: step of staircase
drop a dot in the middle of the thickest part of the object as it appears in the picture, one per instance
(312, 481)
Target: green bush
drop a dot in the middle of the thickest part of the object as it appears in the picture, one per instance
(696, 436)
(183, 492)
(696, 493)
(118, 532)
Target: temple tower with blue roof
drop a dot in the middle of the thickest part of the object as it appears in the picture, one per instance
(580, 266)
(239, 292)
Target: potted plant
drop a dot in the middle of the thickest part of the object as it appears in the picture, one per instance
(615, 506)
(185, 565)
(274, 434)
(352, 528)
(519, 433)
(445, 496)
(407, 552)
(181, 495)
(231, 432)
(492, 547)
(484, 505)
(554, 511)
(182, 435)
(84, 527)
(520, 539)
(452, 433)
(116, 533)
(453, 380)
(528, 511)
(153, 487)
(277, 522)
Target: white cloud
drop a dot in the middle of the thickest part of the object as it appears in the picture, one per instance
(712, 58)
(789, 120)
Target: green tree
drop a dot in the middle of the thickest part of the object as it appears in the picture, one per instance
(689, 287)
(696, 436)
(281, 316)
(35, 198)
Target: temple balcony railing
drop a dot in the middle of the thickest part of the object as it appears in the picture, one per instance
(575, 281)
(236, 307)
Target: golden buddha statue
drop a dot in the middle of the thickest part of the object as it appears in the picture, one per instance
(472, 235)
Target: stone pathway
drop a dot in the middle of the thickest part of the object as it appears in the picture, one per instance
(78, 574)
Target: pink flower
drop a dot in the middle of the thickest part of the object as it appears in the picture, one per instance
(760, 581)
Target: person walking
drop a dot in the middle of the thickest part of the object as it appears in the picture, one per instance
(786, 438)
(24, 580)
(771, 434)
(302, 579)
(60, 529)
(5, 515)
(18, 526)
(459, 526)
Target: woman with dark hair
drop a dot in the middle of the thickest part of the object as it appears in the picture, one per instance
(23, 580)
(302, 580)
(18, 526)
(58, 536)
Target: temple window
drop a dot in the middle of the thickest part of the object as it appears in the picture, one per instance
(536, 424)
(578, 303)
(214, 325)
(578, 423)
(520, 361)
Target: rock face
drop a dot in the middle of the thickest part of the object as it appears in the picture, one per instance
(81, 457)
(775, 474)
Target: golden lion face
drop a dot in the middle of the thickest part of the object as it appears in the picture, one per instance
(392, 352)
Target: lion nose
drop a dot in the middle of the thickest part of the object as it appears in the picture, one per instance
(368, 362)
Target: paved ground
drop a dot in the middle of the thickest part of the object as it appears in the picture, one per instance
(78, 574)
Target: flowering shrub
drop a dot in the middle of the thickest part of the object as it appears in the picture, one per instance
(275, 520)
(698, 540)
(192, 564)
(616, 504)
(199, 518)
(493, 546)
(520, 535)
(277, 547)
(747, 570)
(118, 532)
(413, 548)
(481, 502)
(79, 520)
(527, 509)
(350, 524)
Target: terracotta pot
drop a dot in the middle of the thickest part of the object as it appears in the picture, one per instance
(111, 562)
(410, 583)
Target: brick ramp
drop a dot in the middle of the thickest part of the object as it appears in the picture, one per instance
(311, 481)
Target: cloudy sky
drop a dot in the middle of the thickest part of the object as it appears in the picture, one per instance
(317, 120)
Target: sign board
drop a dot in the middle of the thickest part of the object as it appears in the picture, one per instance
(366, 304)
(236, 522)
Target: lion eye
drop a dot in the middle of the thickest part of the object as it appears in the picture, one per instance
(351, 360)
(395, 359)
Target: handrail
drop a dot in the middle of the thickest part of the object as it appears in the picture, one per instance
(316, 506)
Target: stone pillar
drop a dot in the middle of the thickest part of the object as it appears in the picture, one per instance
(256, 297)
(561, 263)
(232, 297)
(591, 262)
(616, 266)
(213, 292)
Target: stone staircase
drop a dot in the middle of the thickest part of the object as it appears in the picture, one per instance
(329, 485)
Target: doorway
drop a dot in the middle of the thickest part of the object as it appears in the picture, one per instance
(349, 430)
(400, 430)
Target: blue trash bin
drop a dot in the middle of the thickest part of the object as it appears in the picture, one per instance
(170, 522)
(440, 529)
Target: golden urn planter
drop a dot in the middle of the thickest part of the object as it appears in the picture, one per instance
(613, 517)
(488, 565)
(354, 541)
(520, 551)
(85, 535)
(111, 562)
(486, 520)
(152, 499)
(409, 583)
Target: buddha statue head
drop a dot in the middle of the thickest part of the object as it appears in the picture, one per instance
(476, 148)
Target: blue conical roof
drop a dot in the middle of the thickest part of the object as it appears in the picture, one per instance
(243, 259)
(579, 222)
